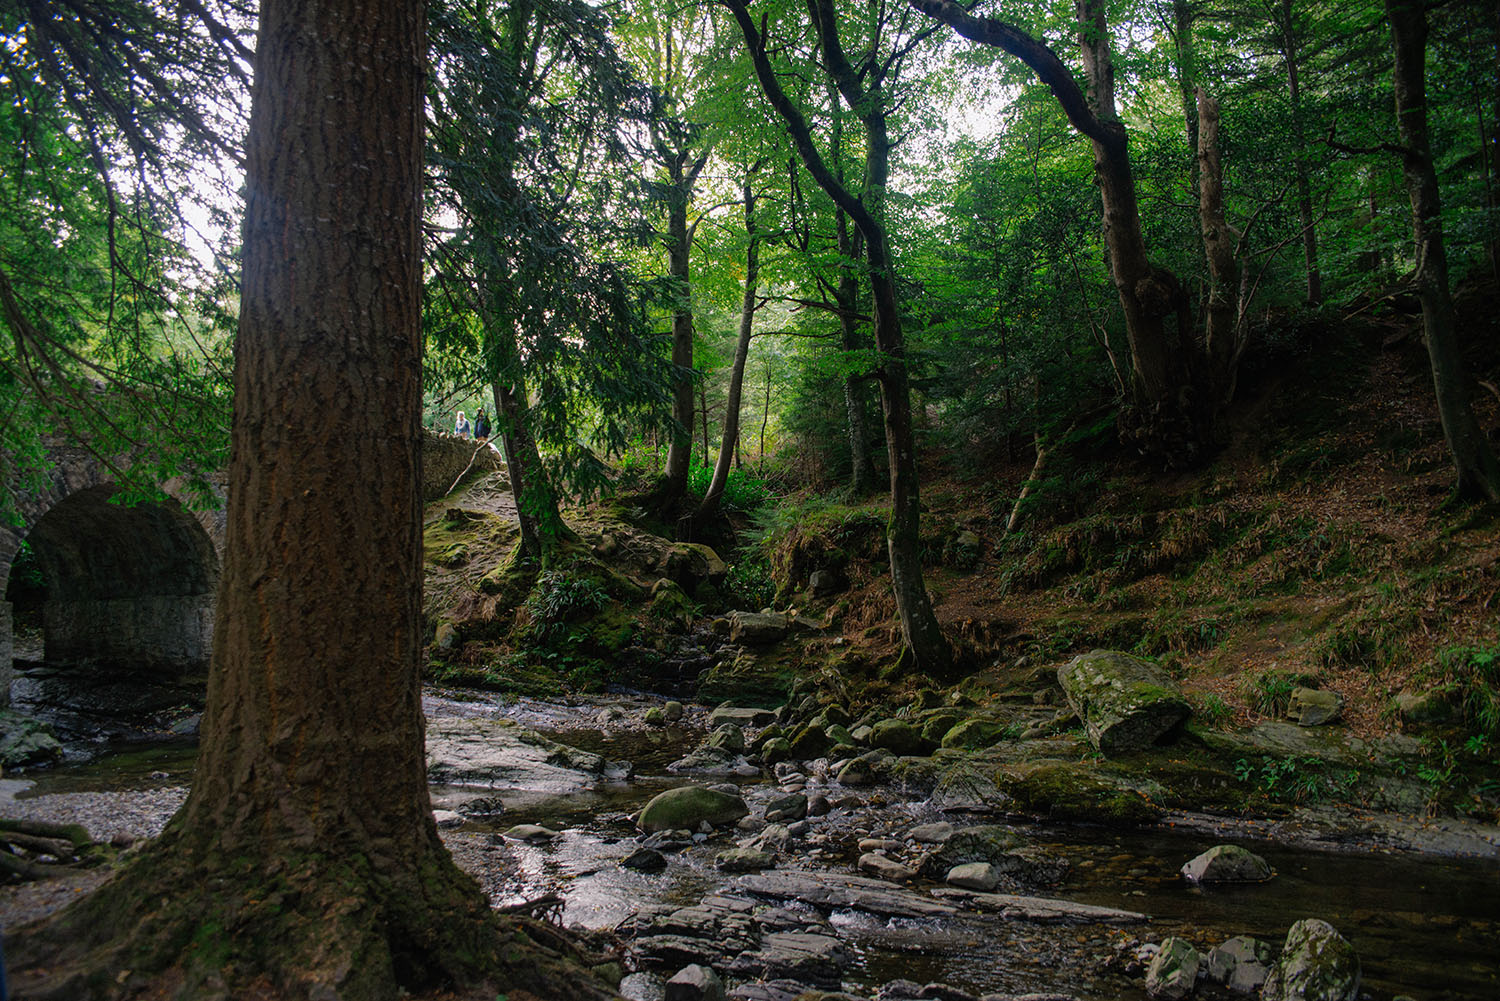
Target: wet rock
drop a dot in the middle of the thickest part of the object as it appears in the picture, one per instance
(974, 734)
(707, 760)
(1311, 707)
(818, 805)
(655, 716)
(187, 726)
(832, 890)
(447, 818)
(1174, 971)
(899, 737)
(1317, 964)
(25, 742)
(986, 843)
(501, 754)
(880, 845)
(673, 710)
(770, 733)
(937, 726)
(839, 734)
(964, 788)
(1126, 704)
(809, 958)
(859, 771)
(694, 983)
(727, 737)
(687, 806)
(776, 750)
(482, 806)
(932, 834)
(1227, 864)
(740, 715)
(1242, 963)
(1041, 910)
(757, 628)
(769, 990)
(774, 838)
(792, 806)
(811, 741)
(886, 868)
(743, 860)
(668, 841)
(531, 834)
(973, 876)
(644, 859)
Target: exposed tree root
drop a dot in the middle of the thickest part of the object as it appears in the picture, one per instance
(330, 927)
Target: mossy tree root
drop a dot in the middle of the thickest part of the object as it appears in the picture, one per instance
(326, 926)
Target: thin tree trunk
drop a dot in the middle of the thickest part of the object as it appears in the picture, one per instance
(926, 648)
(765, 418)
(682, 176)
(1478, 474)
(1222, 320)
(715, 492)
(862, 475)
(1187, 80)
(1287, 32)
(537, 513)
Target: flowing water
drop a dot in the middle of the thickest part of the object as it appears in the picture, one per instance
(1424, 926)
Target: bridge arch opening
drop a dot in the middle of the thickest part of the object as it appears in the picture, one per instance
(127, 586)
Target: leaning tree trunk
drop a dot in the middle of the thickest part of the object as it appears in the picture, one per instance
(926, 648)
(1474, 460)
(1287, 31)
(305, 862)
(537, 513)
(1161, 420)
(715, 493)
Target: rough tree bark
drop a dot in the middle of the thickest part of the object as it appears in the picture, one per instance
(1221, 322)
(1287, 36)
(305, 862)
(862, 475)
(1161, 419)
(1475, 462)
(926, 648)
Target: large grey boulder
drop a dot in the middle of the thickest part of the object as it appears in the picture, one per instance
(685, 807)
(899, 737)
(990, 843)
(1227, 864)
(756, 628)
(695, 982)
(1241, 963)
(1317, 964)
(1126, 703)
(740, 715)
(25, 741)
(1173, 971)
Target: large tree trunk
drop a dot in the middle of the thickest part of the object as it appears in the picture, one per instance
(715, 492)
(926, 648)
(1474, 460)
(537, 513)
(306, 862)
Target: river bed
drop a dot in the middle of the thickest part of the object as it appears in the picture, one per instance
(1424, 926)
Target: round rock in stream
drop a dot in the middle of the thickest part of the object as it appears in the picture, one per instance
(1227, 864)
(685, 807)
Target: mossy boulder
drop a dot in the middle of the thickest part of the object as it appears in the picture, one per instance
(1126, 703)
(1075, 791)
(776, 749)
(684, 808)
(935, 727)
(1227, 864)
(812, 741)
(24, 741)
(1173, 971)
(899, 737)
(1317, 964)
(746, 680)
(974, 734)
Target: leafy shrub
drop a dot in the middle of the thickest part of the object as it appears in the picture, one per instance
(1270, 691)
(748, 583)
(1476, 671)
(743, 489)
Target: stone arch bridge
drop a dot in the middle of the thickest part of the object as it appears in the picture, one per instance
(134, 585)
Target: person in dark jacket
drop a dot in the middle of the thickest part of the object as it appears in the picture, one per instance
(481, 425)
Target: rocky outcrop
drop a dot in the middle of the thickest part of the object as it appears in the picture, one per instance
(1173, 971)
(1126, 703)
(1241, 964)
(1311, 707)
(501, 754)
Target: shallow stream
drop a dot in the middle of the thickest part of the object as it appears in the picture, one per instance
(1423, 926)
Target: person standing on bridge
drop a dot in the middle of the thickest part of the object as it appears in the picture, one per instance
(461, 425)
